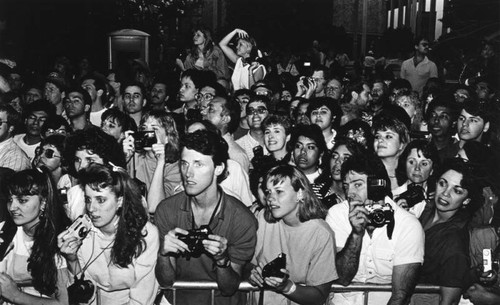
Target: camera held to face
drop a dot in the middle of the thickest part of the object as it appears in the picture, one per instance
(380, 214)
(144, 139)
(194, 240)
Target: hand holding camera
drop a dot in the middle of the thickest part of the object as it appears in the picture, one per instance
(273, 275)
(172, 244)
(358, 215)
(70, 240)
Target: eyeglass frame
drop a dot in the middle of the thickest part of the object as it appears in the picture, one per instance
(39, 151)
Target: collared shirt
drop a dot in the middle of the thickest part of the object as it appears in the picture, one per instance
(378, 254)
(12, 156)
(237, 153)
(248, 143)
(418, 75)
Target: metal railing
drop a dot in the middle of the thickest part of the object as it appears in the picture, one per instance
(247, 287)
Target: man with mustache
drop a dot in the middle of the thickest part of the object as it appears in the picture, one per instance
(134, 98)
(159, 96)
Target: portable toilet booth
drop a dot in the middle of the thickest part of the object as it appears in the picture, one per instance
(127, 44)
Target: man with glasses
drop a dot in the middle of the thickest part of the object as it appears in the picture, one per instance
(11, 155)
(225, 115)
(36, 114)
(257, 111)
(77, 105)
(134, 99)
(418, 69)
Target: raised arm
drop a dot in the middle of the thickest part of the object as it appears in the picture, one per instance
(404, 280)
(347, 260)
(156, 192)
(224, 44)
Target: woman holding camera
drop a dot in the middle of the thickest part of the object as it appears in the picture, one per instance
(292, 215)
(247, 70)
(155, 163)
(446, 258)
(118, 255)
(417, 163)
(32, 254)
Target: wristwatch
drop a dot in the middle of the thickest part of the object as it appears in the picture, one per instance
(224, 262)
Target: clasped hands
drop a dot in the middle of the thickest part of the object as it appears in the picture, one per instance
(278, 284)
(215, 245)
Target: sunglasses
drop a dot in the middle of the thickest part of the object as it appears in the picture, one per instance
(49, 153)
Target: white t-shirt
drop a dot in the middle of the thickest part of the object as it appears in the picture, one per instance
(28, 149)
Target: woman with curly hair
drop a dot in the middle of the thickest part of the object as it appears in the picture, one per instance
(119, 253)
(83, 148)
(50, 155)
(205, 55)
(292, 215)
(33, 254)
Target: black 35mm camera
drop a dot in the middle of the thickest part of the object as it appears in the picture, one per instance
(273, 268)
(413, 195)
(143, 139)
(194, 240)
(81, 291)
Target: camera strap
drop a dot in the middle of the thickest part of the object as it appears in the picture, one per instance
(390, 227)
(193, 224)
(87, 265)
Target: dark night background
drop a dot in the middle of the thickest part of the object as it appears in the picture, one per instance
(35, 32)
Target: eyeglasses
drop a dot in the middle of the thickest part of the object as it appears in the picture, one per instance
(259, 110)
(49, 153)
(51, 131)
(204, 96)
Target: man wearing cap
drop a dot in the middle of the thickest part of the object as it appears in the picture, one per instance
(54, 91)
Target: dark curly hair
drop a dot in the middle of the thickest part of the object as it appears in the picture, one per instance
(96, 141)
(129, 240)
(53, 220)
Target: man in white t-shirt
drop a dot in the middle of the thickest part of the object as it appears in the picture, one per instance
(371, 251)
(96, 87)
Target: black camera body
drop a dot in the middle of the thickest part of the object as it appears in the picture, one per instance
(143, 139)
(380, 214)
(273, 268)
(376, 189)
(413, 195)
(194, 240)
(81, 291)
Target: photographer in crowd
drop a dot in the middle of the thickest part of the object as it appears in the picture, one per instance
(206, 235)
(292, 215)
(377, 241)
(118, 253)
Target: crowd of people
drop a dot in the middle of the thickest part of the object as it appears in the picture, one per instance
(248, 167)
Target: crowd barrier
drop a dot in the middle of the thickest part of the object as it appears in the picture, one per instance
(246, 287)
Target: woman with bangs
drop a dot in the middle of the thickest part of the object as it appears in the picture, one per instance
(205, 55)
(391, 137)
(32, 254)
(116, 122)
(415, 170)
(157, 166)
(293, 224)
(118, 255)
(247, 70)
